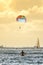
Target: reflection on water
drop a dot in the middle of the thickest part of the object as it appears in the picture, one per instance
(32, 57)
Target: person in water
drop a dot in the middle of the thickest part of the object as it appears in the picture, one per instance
(22, 53)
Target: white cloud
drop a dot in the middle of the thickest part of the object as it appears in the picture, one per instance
(32, 13)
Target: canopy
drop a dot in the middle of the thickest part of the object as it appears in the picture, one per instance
(21, 18)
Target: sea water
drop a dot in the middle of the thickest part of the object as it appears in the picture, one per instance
(31, 57)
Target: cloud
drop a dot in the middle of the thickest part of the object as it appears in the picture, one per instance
(2, 8)
(36, 12)
(32, 13)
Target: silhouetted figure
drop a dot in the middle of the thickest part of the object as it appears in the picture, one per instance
(20, 27)
(22, 53)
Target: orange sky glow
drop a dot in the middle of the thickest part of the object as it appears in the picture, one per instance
(10, 34)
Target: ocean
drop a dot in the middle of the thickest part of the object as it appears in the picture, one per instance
(32, 56)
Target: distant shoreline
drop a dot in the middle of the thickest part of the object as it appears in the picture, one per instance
(17, 50)
(20, 47)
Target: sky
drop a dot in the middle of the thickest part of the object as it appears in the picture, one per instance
(10, 34)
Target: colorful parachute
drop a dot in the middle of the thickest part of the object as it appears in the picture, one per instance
(21, 18)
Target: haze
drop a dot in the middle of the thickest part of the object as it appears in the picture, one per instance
(10, 34)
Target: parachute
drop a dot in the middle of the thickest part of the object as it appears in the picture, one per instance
(21, 18)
